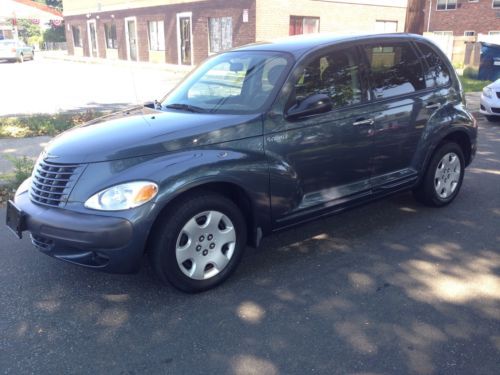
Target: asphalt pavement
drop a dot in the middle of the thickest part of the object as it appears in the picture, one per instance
(388, 288)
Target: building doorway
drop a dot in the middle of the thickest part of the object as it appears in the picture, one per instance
(91, 30)
(131, 37)
(184, 38)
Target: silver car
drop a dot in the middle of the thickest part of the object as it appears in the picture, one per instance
(15, 50)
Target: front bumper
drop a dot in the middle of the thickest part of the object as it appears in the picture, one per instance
(490, 106)
(105, 243)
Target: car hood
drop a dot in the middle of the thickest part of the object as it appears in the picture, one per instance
(142, 131)
(495, 85)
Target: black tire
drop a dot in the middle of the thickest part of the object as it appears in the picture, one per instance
(162, 249)
(426, 192)
(491, 118)
(21, 58)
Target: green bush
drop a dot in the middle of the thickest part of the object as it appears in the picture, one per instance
(471, 72)
(42, 124)
(22, 169)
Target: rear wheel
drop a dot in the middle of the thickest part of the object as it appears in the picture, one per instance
(491, 118)
(199, 242)
(443, 177)
(21, 58)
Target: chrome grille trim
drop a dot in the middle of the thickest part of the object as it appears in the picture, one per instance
(51, 183)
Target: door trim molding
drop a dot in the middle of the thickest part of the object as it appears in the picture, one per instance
(178, 17)
(90, 39)
(127, 40)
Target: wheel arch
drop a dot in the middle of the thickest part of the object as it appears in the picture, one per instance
(229, 189)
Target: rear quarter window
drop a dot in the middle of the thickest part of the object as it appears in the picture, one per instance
(437, 73)
(395, 69)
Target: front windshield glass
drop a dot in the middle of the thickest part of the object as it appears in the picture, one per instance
(230, 83)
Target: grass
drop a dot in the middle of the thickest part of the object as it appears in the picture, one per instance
(42, 124)
(473, 85)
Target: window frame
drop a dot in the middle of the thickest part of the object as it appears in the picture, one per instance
(210, 52)
(419, 55)
(470, 31)
(80, 42)
(294, 75)
(149, 22)
(446, 6)
(439, 53)
(293, 16)
(106, 30)
(493, 4)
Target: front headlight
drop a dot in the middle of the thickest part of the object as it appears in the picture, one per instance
(488, 92)
(123, 196)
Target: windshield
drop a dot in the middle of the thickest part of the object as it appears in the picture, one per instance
(232, 83)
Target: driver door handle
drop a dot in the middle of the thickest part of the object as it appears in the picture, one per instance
(361, 122)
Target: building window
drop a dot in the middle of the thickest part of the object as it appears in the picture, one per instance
(443, 33)
(496, 3)
(77, 40)
(156, 36)
(494, 33)
(110, 31)
(386, 26)
(446, 4)
(303, 25)
(469, 33)
(220, 34)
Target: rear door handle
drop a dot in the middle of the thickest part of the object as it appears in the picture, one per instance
(361, 122)
(433, 106)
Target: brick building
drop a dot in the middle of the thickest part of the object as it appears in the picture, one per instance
(462, 17)
(187, 31)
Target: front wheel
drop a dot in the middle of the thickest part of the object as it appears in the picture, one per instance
(443, 178)
(199, 242)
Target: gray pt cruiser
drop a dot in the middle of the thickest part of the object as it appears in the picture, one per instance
(255, 140)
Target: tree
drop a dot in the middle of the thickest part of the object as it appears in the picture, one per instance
(52, 3)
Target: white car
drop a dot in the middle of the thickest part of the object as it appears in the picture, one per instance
(490, 101)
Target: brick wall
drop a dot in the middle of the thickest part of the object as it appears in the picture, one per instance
(243, 33)
(273, 17)
(476, 16)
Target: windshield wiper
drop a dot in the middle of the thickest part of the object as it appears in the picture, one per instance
(186, 107)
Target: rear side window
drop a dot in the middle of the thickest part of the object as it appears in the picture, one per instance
(437, 73)
(335, 74)
(394, 69)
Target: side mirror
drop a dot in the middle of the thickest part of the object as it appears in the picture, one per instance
(152, 105)
(312, 105)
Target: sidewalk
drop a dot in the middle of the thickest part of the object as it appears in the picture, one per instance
(182, 70)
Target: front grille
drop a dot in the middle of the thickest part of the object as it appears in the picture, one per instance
(498, 94)
(52, 183)
(41, 243)
(495, 110)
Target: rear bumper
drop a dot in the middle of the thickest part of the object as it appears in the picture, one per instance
(109, 244)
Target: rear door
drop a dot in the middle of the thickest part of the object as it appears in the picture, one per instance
(398, 106)
(322, 160)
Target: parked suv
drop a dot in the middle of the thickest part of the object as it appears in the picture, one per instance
(255, 140)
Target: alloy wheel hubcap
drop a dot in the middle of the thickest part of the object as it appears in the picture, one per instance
(205, 245)
(447, 175)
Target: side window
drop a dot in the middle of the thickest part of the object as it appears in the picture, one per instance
(335, 74)
(394, 69)
(437, 74)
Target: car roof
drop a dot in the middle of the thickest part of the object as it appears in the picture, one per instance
(300, 44)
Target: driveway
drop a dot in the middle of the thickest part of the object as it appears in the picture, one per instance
(51, 86)
(389, 288)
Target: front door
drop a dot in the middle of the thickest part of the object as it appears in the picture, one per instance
(131, 39)
(184, 38)
(91, 26)
(322, 160)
